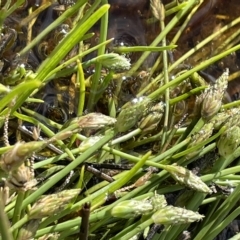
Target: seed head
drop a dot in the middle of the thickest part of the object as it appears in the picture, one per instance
(60, 136)
(89, 121)
(20, 152)
(213, 95)
(21, 178)
(158, 9)
(202, 135)
(227, 118)
(234, 118)
(131, 113)
(52, 204)
(153, 117)
(28, 231)
(175, 215)
(229, 141)
(114, 61)
(158, 202)
(187, 178)
(199, 137)
(219, 119)
(131, 208)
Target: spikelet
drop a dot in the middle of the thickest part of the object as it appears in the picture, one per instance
(89, 121)
(131, 113)
(158, 201)
(199, 137)
(175, 215)
(131, 208)
(229, 141)
(157, 9)
(187, 178)
(20, 152)
(213, 95)
(153, 117)
(28, 231)
(114, 61)
(21, 178)
(52, 204)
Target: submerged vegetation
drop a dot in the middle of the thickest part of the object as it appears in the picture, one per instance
(119, 119)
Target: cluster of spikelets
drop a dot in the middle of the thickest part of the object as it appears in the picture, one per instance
(154, 210)
(20, 176)
(208, 107)
(13, 161)
(210, 102)
(44, 207)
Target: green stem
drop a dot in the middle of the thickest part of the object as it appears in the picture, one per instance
(68, 13)
(112, 187)
(166, 81)
(185, 75)
(56, 70)
(199, 145)
(186, 95)
(190, 52)
(219, 215)
(71, 39)
(129, 228)
(159, 38)
(98, 68)
(17, 211)
(65, 171)
(184, 25)
(82, 89)
(102, 215)
(139, 228)
(203, 43)
(4, 225)
(127, 136)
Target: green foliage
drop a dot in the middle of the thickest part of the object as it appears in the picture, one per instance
(149, 123)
